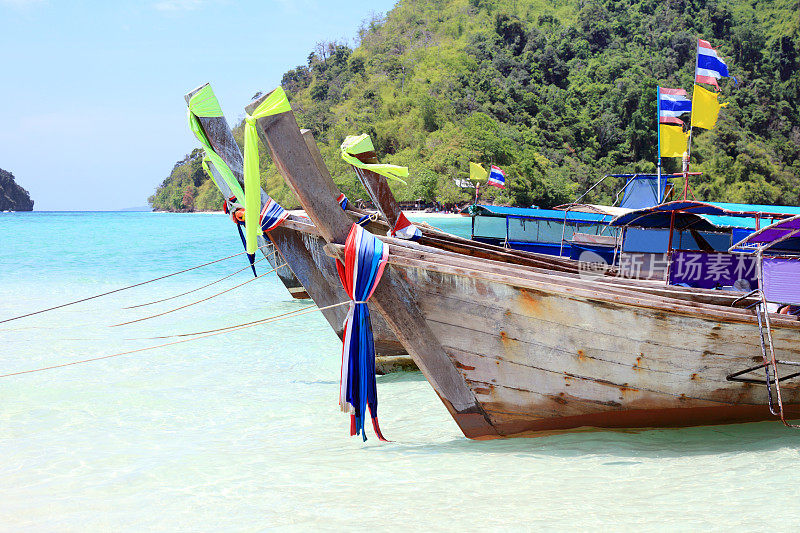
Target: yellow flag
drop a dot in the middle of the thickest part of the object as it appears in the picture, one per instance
(477, 172)
(673, 140)
(705, 108)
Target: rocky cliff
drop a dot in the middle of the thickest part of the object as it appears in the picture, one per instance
(12, 196)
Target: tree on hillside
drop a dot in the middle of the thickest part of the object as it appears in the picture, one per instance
(556, 94)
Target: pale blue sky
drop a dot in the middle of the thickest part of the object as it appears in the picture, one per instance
(92, 115)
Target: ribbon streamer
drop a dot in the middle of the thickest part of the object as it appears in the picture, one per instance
(365, 258)
(275, 103)
(204, 104)
(358, 144)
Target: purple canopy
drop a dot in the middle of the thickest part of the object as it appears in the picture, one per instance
(780, 279)
(774, 232)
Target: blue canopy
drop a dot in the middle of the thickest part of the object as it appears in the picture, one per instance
(642, 190)
(759, 209)
(707, 216)
(542, 214)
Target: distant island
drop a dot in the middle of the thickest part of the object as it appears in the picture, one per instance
(12, 196)
(557, 94)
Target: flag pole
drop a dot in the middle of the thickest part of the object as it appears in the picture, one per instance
(658, 134)
(691, 119)
(691, 124)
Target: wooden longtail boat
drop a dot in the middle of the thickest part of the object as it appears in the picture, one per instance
(312, 274)
(513, 350)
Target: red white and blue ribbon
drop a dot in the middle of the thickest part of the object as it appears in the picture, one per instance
(404, 229)
(342, 200)
(710, 67)
(364, 260)
(272, 215)
(497, 177)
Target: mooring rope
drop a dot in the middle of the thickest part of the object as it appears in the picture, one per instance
(288, 314)
(198, 288)
(198, 301)
(203, 336)
(120, 289)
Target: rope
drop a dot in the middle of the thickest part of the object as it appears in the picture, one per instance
(364, 220)
(119, 290)
(226, 330)
(198, 288)
(276, 318)
(199, 301)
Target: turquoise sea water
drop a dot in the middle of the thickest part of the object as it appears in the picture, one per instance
(242, 432)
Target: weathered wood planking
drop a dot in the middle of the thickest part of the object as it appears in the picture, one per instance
(219, 135)
(291, 155)
(411, 253)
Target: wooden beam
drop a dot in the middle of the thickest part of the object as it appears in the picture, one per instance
(392, 296)
(377, 187)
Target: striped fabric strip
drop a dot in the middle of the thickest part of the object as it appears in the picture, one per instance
(404, 229)
(364, 260)
(272, 216)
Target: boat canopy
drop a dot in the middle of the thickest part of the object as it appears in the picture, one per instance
(785, 232)
(642, 190)
(765, 211)
(531, 213)
(706, 216)
(608, 210)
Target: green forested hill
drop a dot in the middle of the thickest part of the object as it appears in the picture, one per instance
(556, 93)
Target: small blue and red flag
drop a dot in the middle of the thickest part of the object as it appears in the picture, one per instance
(710, 67)
(497, 177)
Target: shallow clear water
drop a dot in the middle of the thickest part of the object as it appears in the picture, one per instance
(241, 431)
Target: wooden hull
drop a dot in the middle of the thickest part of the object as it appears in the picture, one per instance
(541, 357)
(538, 360)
